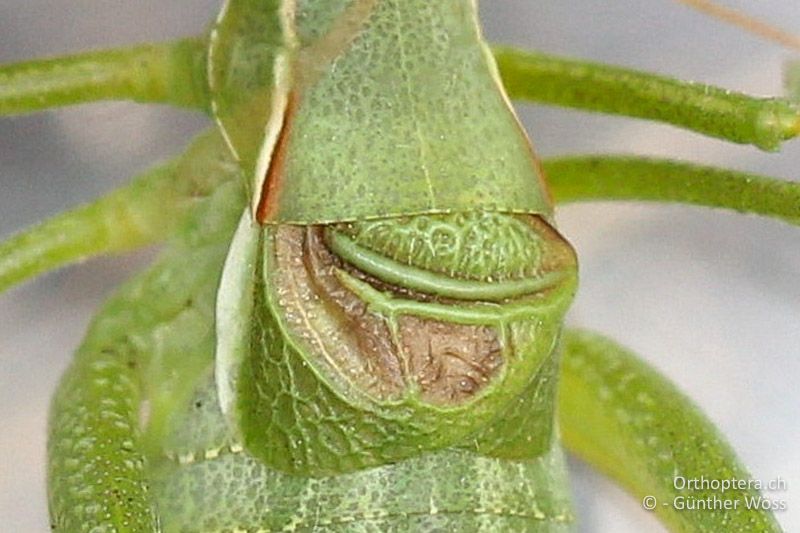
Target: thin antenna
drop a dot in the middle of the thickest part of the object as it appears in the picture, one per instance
(746, 22)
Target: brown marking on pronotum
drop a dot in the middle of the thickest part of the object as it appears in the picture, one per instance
(273, 180)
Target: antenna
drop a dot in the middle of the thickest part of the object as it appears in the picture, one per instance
(744, 21)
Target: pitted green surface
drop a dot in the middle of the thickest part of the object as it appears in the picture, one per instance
(220, 488)
(420, 280)
(152, 342)
(299, 413)
(315, 17)
(478, 245)
(97, 477)
(524, 428)
(409, 119)
(149, 344)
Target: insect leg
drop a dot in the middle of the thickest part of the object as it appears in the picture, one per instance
(128, 218)
(763, 122)
(621, 416)
(96, 469)
(145, 211)
(586, 178)
(169, 73)
(143, 352)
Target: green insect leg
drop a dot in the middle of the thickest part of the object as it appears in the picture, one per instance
(143, 212)
(622, 417)
(588, 178)
(96, 473)
(169, 73)
(155, 334)
(126, 219)
(535, 77)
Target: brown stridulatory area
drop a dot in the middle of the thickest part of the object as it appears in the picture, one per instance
(387, 358)
(369, 332)
(450, 363)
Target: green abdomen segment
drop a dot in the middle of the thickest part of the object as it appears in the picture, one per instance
(210, 484)
(352, 365)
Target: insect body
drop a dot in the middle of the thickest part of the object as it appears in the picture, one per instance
(356, 324)
(424, 317)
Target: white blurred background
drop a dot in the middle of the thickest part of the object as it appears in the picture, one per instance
(710, 298)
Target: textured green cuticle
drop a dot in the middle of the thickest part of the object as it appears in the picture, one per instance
(476, 245)
(478, 255)
(403, 68)
(299, 419)
(407, 121)
(416, 279)
(207, 482)
(473, 313)
(304, 408)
